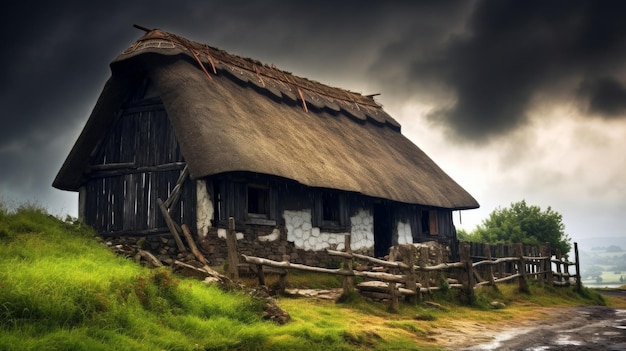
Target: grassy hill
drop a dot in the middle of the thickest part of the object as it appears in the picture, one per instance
(62, 289)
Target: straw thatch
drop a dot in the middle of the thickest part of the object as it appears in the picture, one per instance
(236, 114)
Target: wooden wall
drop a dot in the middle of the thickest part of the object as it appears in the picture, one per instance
(136, 163)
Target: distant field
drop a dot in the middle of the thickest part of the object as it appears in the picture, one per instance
(609, 262)
(607, 278)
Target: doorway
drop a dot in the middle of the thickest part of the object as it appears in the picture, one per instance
(382, 229)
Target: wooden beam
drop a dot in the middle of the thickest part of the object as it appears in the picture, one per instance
(150, 257)
(192, 244)
(171, 225)
(175, 194)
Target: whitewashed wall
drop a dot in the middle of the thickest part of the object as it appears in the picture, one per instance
(301, 232)
(204, 209)
(405, 236)
(362, 230)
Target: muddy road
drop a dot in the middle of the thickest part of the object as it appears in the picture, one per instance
(578, 328)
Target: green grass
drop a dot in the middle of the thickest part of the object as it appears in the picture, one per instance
(62, 289)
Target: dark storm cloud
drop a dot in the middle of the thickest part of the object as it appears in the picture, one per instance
(488, 60)
(513, 51)
(606, 96)
(56, 55)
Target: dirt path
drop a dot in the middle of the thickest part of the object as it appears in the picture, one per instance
(575, 328)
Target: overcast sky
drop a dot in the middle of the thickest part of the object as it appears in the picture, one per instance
(514, 99)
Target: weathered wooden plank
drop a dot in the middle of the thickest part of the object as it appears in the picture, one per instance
(150, 257)
(176, 191)
(154, 220)
(192, 245)
(171, 226)
(114, 171)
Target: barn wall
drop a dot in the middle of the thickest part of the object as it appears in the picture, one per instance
(138, 162)
(294, 234)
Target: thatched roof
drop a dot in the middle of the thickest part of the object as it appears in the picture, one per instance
(235, 114)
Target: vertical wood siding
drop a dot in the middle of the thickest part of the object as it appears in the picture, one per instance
(123, 199)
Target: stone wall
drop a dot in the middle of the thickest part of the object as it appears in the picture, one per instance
(301, 232)
(403, 230)
(270, 243)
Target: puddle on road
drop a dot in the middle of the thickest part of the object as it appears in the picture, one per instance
(497, 341)
(621, 322)
(563, 340)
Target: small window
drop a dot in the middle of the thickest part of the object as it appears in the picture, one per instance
(330, 211)
(430, 225)
(258, 201)
(330, 208)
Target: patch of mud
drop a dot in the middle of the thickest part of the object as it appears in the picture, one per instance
(578, 328)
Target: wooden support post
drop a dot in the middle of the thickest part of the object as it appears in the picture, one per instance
(260, 274)
(422, 261)
(467, 276)
(409, 253)
(559, 271)
(175, 194)
(579, 283)
(282, 282)
(521, 266)
(393, 297)
(549, 275)
(566, 272)
(348, 281)
(233, 254)
(171, 225)
(546, 267)
(487, 249)
(500, 266)
(192, 244)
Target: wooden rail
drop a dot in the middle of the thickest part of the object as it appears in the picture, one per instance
(405, 278)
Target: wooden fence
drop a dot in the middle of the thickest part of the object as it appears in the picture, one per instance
(412, 276)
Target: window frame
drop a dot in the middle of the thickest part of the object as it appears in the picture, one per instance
(340, 221)
(429, 222)
(268, 217)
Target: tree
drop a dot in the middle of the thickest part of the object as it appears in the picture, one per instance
(462, 234)
(524, 224)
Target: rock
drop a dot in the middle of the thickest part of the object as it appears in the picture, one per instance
(211, 280)
(497, 304)
(274, 313)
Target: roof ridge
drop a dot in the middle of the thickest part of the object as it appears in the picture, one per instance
(286, 84)
(192, 44)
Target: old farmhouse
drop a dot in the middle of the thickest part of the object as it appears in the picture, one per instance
(209, 135)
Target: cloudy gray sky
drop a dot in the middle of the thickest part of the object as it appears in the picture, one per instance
(514, 99)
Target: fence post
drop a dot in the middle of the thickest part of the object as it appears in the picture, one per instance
(579, 284)
(487, 249)
(521, 267)
(468, 276)
(558, 264)
(408, 253)
(500, 266)
(543, 278)
(233, 255)
(566, 272)
(348, 286)
(423, 258)
(260, 274)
